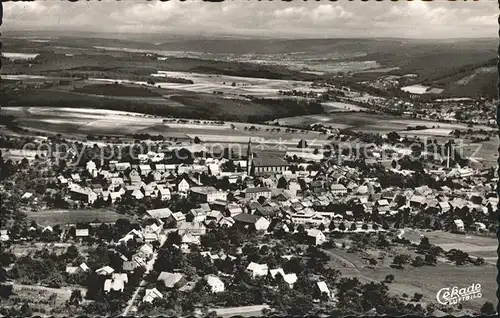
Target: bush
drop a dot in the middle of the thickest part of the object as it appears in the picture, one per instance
(389, 278)
(417, 297)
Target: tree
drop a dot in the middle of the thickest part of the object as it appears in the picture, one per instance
(389, 278)
(375, 226)
(321, 227)
(353, 227)
(417, 297)
(282, 183)
(479, 261)
(430, 259)
(418, 261)
(197, 140)
(302, 144)
(399, 261)
(72, 252)
(331, 227)
(364, 226)
(342, 227)
(316, 151)
(488, 308)
(385, 225)
(76, 297)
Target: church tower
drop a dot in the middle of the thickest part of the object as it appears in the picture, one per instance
(249, 156)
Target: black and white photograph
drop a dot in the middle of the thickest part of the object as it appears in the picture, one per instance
(249, 158)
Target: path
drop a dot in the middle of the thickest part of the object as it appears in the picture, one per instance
(149, 268)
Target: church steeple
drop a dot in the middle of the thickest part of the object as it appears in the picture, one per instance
(249, 156)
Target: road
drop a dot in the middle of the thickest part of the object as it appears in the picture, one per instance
(149, 268)
(255, 310)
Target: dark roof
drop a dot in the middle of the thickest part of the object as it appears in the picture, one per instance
(256, 190)
(269, 162)
(246, 218)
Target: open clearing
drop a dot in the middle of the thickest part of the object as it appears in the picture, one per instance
(483, 246)
(379, 123)
(66, 217)
(206, 83)
(82, 122)
(427, 280)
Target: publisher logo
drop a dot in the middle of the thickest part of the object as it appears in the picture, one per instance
(454, 295)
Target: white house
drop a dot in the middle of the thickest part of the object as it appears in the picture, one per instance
(151, 294)
(106, 270)
(316, 236)
(324, 289)
(257, 270)
(183, 186)
(216, 285)
(338, 189)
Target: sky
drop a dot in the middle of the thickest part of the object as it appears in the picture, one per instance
(297, 19)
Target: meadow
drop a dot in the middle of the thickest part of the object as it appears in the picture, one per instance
(67, 217)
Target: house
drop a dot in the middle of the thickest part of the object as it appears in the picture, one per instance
(234, 209)
(80, 233)
(164, 194)
(207, 194)
(144, 169)
(130, 266)
(183, 186)
(216, 285)
(162, 213)
(290, 279)
(226, 222)
(106, 270)
(443, 207)
(77, 269)
(323, 289)
(137, 194)
(198, 215)
(338, 189)
(146, 251)
(189, 238)
(478, 226)
(316, 236)
(213, 216)
(4, 235)
(135, 177)
(26, 196)
(116, 283)
(178, 218)
(417, 201)
(83, 194)
(257, 270)
(91, 168)
(151, 294)
(255, 193)
(458, 225)
(258, 223)
(120, 166)
(193, 228)
(172, 280)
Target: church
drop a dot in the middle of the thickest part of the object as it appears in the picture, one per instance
(265, 162)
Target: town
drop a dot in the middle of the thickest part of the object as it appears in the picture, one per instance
(179, 230)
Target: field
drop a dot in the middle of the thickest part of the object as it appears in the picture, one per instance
(117, 90)
(380, 123)
(427, 280)
(205, 83)
(42, 300)
(338, 107)
(67, 217)
(79, 123)
(483, 246)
